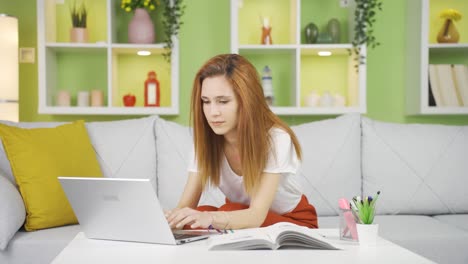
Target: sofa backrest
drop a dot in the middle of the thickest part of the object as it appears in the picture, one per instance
(331, 164)
(420, 168)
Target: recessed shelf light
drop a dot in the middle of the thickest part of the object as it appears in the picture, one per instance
(144, 52)
(324, 53)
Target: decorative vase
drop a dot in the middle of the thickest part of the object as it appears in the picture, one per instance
(448, 33)
(141, 28)
(311, 33)
(333, 28)
(367, 234)
(78, 34)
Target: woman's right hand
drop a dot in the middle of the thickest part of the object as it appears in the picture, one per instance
(179, 217)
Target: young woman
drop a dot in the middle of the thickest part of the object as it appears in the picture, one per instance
(244, 149)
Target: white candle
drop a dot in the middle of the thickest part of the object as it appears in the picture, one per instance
(63, 98)
(83, 98)
(97, 98)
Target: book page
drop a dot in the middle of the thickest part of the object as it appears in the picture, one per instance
(280, 235)
(291, 235)
(252, 238)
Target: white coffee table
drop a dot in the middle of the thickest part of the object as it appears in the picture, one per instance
(83, 250)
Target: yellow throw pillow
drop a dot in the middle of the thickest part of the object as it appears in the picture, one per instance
(37, 157)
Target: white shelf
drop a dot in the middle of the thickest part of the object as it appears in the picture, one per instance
(58, 58)
(420, 51)
(449, 46)
(440, 110)
(56, 110)
(316, 110)
(304, 57)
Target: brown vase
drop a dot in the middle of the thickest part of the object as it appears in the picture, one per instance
(448, 33)
(141, 28)
(78, 34)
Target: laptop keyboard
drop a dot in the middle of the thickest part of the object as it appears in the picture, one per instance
(183, 236)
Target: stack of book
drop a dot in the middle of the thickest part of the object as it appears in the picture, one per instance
(448, 85)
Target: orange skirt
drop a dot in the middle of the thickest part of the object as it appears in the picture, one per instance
(304, 214)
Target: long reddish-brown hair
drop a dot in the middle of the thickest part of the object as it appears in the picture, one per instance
(255, 119)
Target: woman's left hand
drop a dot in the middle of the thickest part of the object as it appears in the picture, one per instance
(178, 218)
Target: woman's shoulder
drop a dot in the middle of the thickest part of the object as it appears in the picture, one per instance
(279, 135)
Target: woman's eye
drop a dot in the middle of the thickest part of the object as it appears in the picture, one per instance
(205, 102)
(224, 102)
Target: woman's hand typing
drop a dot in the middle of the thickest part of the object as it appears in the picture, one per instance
(179, 217)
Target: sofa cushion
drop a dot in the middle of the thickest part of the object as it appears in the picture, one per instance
(5, 167)
(125, 148)
(420, 169)
(425, 236)
(457, 220)
(174, 148)
(38, 247)
(37, 157)
(12, 211)
(331, 164)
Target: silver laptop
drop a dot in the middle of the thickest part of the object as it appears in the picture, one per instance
(122, 209)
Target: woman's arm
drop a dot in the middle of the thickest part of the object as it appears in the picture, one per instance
(260, 204)
(189, 199)
(253, 216)
(192, 192)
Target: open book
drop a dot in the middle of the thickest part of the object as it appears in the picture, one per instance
(280, 235)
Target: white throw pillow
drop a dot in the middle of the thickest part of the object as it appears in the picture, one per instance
(420, 168)
(125, 148)
(12, 211)
(174, 146)
(331, 162)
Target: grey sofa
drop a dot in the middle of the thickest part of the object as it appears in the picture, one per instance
(420, 169)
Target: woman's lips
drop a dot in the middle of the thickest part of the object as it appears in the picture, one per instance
(217, 123)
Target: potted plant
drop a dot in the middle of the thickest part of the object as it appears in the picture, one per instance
(364, 211)
(172, 23)
(79, 15)
(364, 19)
(141, 30)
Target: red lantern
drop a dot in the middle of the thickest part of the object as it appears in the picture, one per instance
(152, 90)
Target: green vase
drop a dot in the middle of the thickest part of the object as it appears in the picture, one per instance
(311, 33)
(333, 29)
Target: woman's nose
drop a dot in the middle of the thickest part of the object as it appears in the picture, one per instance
(214, 110)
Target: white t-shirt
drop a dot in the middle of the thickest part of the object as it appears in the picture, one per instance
(282, 159)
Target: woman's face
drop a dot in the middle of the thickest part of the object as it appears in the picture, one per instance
(220, 105)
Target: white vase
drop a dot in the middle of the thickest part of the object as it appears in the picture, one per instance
(367, 234)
